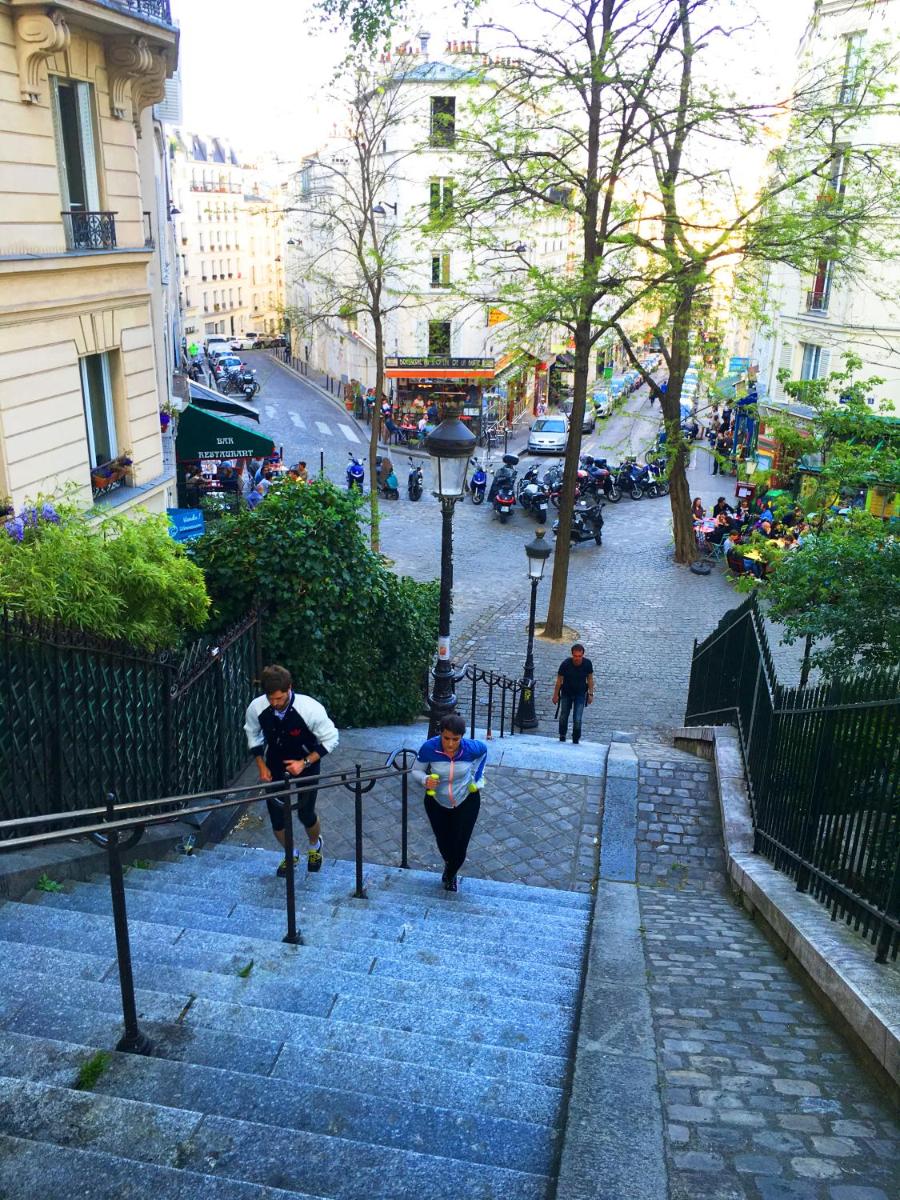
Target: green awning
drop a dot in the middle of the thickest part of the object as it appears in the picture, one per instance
(725, 387)
(203, 435)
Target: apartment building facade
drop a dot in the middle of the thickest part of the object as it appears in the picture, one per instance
(228, 224)
(817, 318)
(80, 378)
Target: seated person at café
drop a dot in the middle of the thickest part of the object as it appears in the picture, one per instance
(432, 414)
(698, 512)
(744, 514)
(722, 506)
(718, 535)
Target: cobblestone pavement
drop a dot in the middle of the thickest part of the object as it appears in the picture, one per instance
(762, 1100)
(535, 827)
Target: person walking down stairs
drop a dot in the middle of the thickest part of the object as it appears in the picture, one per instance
(290, 734)
(450, 768)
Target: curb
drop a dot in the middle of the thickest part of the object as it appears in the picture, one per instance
(860, 994)
(613, 1139)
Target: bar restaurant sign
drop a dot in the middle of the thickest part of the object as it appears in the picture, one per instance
(444, 361)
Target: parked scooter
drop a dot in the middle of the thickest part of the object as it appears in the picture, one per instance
(414, 481)
(503, 489)
(388, 487)
(657, 468)
(478, 482)
(356, 474)
(587, 521)
(532, 494)
(600, 479)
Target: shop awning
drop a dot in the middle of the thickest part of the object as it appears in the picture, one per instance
(209, 398)
(566, 361)
(510, 365)
(202, 435)
(438, 366)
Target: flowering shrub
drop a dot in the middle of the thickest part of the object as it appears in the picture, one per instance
(122, 577)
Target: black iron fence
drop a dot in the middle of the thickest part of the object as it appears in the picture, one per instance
(89, 230)
(83, 716)
(823, 771)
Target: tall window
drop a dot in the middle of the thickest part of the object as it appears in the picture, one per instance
(440, 270)
(441, 198)
(817, 299)
(73, 119)
(812, 361)
(443, 120)
(99, 417)
(852, 75)
(439, 337)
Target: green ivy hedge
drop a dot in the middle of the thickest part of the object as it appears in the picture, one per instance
(353, 634)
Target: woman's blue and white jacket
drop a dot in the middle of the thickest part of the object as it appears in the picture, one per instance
(455, 774)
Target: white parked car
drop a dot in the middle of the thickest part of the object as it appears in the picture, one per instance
(549, 435)
(246, 341)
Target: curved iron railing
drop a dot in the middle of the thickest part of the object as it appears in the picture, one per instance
(112, 820)
(498, 701)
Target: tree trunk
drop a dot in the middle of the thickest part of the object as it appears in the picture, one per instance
(679, 453)
(374, 510)
(556, 609)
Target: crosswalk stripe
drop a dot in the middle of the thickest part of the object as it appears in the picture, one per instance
(323, 428)
(298, 420)
(348, 433)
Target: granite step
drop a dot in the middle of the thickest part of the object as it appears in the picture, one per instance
(291, 1103)
(333, 1166)
(40, 1169)
(363, 922)
(65, 928)
(265, 889)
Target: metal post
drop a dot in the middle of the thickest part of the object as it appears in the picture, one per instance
(221, 722)
(506, 440)
(322, 461)
(527, 718)
(404, 816)
(891, 909)
(804, 666)
(133, 1041)
(360, 892)
(443, 696)
(292, 936)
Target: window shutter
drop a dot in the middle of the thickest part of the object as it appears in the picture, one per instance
(435, 199)
(787, 357)
(60, 153)
(86, 128)
(824, 364)
(448, 196)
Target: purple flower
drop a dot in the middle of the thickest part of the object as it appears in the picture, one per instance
(49, 513)
(29, 516)
(16, 529)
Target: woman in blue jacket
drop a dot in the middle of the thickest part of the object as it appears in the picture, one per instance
(450, 767)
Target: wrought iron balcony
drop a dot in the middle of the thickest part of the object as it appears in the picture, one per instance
(90, 230)
(159, 10)
(817, 301)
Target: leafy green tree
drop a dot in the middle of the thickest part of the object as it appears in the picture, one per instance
(840, 589)
(353, 634)
(119, 577)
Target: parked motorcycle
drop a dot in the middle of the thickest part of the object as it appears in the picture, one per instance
(388, 487)
(628, 479)
(532, 494)
(478, 482)
(503, 489)
(414, 481)
(657, 468)
(355, 473)
(587, 521)
(601, 481)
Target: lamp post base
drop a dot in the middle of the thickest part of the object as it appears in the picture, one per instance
(526, 717)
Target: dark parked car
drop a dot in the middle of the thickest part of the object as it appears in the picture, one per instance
(587, 425)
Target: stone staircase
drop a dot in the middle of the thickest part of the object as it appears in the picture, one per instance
(416, 1045)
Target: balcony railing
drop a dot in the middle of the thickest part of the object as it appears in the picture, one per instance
(817, 301)
(159, 10)
(90, 230)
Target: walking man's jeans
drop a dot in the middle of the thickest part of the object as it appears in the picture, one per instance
(453, 827)
(575, 706)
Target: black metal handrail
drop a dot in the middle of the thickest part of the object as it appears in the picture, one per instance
(823, 772)
(498, 684)
(159, 10)
(181, 808)
(89, 230)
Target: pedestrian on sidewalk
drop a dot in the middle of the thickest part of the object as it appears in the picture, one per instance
(573, 689)
(450, 768)
(290, 734)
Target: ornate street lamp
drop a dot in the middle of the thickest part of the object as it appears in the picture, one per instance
(538, 552)
(450, 447)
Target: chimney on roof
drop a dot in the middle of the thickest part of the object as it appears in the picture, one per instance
(424, 38)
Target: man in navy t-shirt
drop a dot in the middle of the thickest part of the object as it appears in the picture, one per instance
(573, 689)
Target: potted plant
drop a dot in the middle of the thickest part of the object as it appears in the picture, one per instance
(106, 475)
(167, 413)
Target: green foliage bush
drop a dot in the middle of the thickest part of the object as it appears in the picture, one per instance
(119, 577)
(353, 634)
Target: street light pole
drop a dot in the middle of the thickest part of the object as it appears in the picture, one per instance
(450, 447)
(538, 552)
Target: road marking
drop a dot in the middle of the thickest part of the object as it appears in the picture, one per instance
(270, 412)
(298, 420)
(323, 428)
(348, 433)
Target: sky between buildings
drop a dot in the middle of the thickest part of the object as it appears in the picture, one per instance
(258, 72)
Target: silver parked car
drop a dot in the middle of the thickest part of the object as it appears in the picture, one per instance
(549, 435)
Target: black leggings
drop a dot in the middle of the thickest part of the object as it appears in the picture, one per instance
(453, 827)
